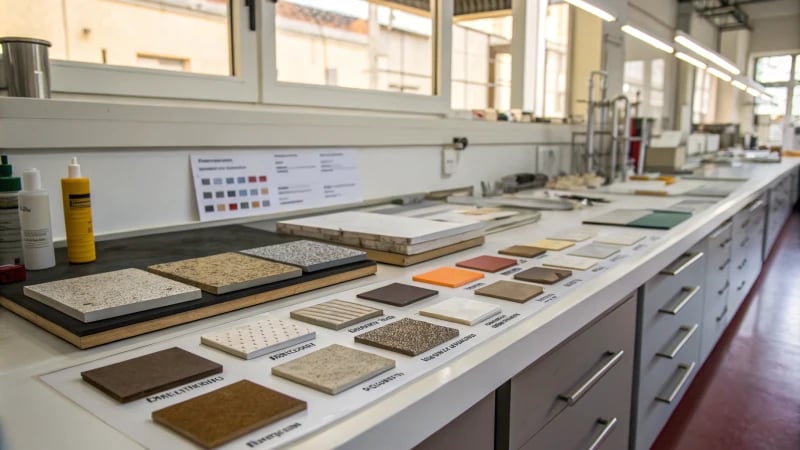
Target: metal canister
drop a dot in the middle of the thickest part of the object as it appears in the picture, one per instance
(27, 66)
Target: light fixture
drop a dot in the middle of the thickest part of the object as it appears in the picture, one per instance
(739, 85)
(591, 9)
(693, 61)
(753, 91)
(719, 74)
(712, 56)
(766, 96)
(644, 37)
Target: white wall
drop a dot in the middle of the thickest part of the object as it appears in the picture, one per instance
(776, 34)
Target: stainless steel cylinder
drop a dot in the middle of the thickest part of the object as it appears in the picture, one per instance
(27, 67)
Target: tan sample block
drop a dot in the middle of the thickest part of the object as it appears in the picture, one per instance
(511, 290)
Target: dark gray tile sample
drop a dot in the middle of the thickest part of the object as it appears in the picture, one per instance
(311, 256)
(398, 294)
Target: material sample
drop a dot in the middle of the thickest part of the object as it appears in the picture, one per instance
(595, 250)
(553, 244)
(510, 290)
(523, 251)
(574, 236)
(311, 256)
(461, 310)
(570, 262)
(543, 275)
(407, 336)
(335, 314)
(258, 338)
(488, 263)
(448, 277)
(619, 238)
(398, 294)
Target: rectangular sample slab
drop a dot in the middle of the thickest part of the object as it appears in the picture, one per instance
(570, 262)
(619, 238)
(111, 294)
(510, 290)
(398, 294)
(226, 272)
(335, 314)
(227, 413)
(448, 277)
(619, 217)
(552, 244)
(543, 275)
(311, 256)
(407, 336)
(523, 251)
(661, 220)
(574, 236)
(595, 250)
(487, 263)
(461, 310)
(333, 369)
(258, 338)
(146, 375)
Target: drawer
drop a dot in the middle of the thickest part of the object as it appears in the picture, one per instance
(685, 273)
(718, 245)
(473, 429)
(715, 316)
(561, 380)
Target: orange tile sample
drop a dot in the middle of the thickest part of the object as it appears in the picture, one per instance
(448, 277)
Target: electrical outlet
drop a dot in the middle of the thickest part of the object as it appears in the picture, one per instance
(449, 161)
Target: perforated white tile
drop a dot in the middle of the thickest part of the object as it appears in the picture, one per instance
(258, 338)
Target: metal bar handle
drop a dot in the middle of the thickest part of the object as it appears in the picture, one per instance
(724, 288)
(691, 259)
(725, 242)
(722, 229)
(741, 266)
(572, 397)
(689, 293)
(725, 264)
(741, 285)
(723, 314)
(608, 427)
(687, 370)
(689, 332)
(758, 204)
(745, 241)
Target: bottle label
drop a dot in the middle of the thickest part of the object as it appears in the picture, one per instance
(80, 201)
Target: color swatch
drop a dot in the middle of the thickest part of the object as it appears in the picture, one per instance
(258, 338)
(408, 336)
(543, 275)
(488, 263)
(335, 314)
(398, 294)
(523, 251)
(461, 310)
(510, 290)
(448, 277)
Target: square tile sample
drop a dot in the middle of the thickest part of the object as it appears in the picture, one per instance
(619, 238)
(407, 336)
(488, 263)
(574, 236)
(146, 375)
(398, 294)
(553, 244)
(461, 310)
(619, 216)
(595, 250)
(258, 338)
(311, 256)
(543, 275)
(111, 294)
(226, 272)
(570, 262)
(523, 251)
(225, 414)
(448, 277)
(335, 314)
(510, 290)
(333, 369)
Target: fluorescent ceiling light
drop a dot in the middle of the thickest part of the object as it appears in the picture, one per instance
(766, 96)
(644, 37)
(753, 91)
(712, 56)
(719, 74)
(739, 85)
(693, 61)
(605, 15)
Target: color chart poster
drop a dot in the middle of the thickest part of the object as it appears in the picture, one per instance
(231, 185)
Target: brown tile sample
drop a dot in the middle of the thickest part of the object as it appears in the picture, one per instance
(510, 290)
(225, 414)
(407, 336)
(139, 377)
(543, 275)
(398, 294)
(523, 251)
(487, 263)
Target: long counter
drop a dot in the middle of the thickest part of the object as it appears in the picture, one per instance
(478, 382)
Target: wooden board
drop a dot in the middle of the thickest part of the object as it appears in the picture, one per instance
(396, 259)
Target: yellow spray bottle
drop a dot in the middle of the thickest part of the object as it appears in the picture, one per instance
(78, 215)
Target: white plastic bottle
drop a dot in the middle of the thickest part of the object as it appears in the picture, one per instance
(34, 219)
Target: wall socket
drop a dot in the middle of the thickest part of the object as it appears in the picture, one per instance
(449, 161)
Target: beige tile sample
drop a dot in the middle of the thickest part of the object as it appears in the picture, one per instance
(570, 262)
(626, 238)
(258, 338)
(335, 314)
(552, 244)
(574, 235)
(595, 250)
(226, 272)
(408, 336)
(333, 369)
(510, 290)
(461, 310)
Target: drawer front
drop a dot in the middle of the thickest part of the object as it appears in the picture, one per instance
(562, 380)
(716, 315)
(718, 246)
(473, 429)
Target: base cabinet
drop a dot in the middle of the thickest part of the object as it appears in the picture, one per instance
(472, 430)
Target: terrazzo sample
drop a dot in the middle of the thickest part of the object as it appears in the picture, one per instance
(146, 375)
(225, 414)
(448, 277)
(523, 251)
(335, 314)
(510, 290)
(111, 294)
(226, 272)
(553, 244)
(398, 294)
(333, 369)
(570, 262)
(619, 238)
(461, 310)
(258, 338)
(311, 256)
(488, 263)
(543, 275)
(407, 336)
(595, 250)
(574, 236)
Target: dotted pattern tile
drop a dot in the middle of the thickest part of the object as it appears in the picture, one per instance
(335, 314)
(570, 262)
(553, 244)
(510, 290)
(111, 294)
(333, 369)
(408, 336)
(595, 250)
(488, 263)
(398, 294)
(259, 338)
(523, 251)
(309, 255)
(461, 310)
(448, 277)
(226, 272)
(543, 275)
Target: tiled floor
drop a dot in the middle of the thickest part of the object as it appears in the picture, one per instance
(747, 394)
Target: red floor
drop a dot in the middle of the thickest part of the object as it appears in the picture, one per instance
(747, 394)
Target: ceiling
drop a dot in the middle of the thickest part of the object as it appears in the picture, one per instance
(739, 14)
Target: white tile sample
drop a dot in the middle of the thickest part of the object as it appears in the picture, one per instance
(574, 235)
(595, 250)
(311, 256)
(626, 238)
(111, 294)
(570, 262)
(259, 338)
(461, 310)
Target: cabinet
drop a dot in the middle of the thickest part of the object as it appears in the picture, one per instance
(716, 312)
(780, 201)
(746, 252)
(473, 429)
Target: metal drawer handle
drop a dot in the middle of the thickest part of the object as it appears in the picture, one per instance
(722, 229)
(724, 265)
(725, 242)
(745, 223)
(739, 288)
(741, 266)
(724, 313)
(724, 288)
(608, 427)
(689, 332)
(745, 241)
(573, 397)
(687, 370)
(689, 292)
(755, 206)
(691, 259)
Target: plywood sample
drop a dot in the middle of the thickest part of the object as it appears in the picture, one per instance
(461, 310)
(448, 277)
(335, 314)
(523, 251)
(408, 336)
(511, 290)
(595, 250)
(488, 263)
(398, 294)
(552, 244)
(543, 275)
(258, 338)
(311, 256)
(570, 262)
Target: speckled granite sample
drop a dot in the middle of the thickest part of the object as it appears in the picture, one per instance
(398, 294)
(146, 375)
(488, 263)
(407, 336)
(309, 255)
(333, 369)
(461, 310)
(552, 244)
(523, 251)
(570, 262)
(595, 250)
(335, 314)
(448, 277)
(258, 338)
(543, 275)
(227, 413)
(510, 290)
(111, 294)
(226, 272)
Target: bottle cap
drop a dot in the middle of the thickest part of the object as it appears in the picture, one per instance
(31, 180)
(7, 182)
(74, 169)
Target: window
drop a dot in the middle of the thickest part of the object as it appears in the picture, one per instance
(556, 60)
(704, 102)
(481, 63)
(776, 114)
